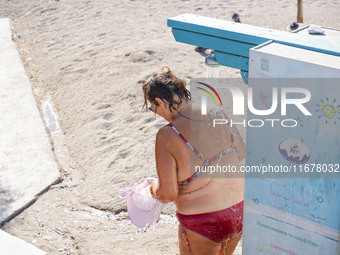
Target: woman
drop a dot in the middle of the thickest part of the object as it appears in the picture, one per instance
(209, 209)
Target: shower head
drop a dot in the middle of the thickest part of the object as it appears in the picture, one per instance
(211, 60)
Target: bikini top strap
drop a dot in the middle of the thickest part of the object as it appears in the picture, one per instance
(230, 130)
(207, 162)
(198, 154)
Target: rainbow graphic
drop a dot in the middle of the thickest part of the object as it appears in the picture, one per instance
(204, 99)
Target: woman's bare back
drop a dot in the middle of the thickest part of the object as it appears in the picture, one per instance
(207, 192)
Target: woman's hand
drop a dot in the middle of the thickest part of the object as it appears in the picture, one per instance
(153, 189)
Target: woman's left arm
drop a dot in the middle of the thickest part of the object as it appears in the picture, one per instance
(167, 189)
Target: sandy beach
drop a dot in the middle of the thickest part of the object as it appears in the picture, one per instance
(90, 58)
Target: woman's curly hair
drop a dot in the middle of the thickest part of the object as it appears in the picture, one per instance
(165, 85)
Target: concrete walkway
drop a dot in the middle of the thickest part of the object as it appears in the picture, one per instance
(27, 163)
(11, 245)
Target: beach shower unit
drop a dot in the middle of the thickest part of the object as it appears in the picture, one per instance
(298, 211)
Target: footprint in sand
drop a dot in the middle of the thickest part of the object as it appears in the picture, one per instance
(148, 120)
(145, 79)
(82, 70)
(111, 164)
(124, 154)
(104, 141)
(111, 140)
(140, 56)
(102, 106)
(104, 125)
(132, 119)
(108, 116)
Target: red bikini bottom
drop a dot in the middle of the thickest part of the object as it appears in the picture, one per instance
(217, 226)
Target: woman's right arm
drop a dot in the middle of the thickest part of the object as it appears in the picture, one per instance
(167, 190)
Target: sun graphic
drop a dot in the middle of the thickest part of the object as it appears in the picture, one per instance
(329, 110)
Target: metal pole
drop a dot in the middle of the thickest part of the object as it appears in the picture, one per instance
(299, 11)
